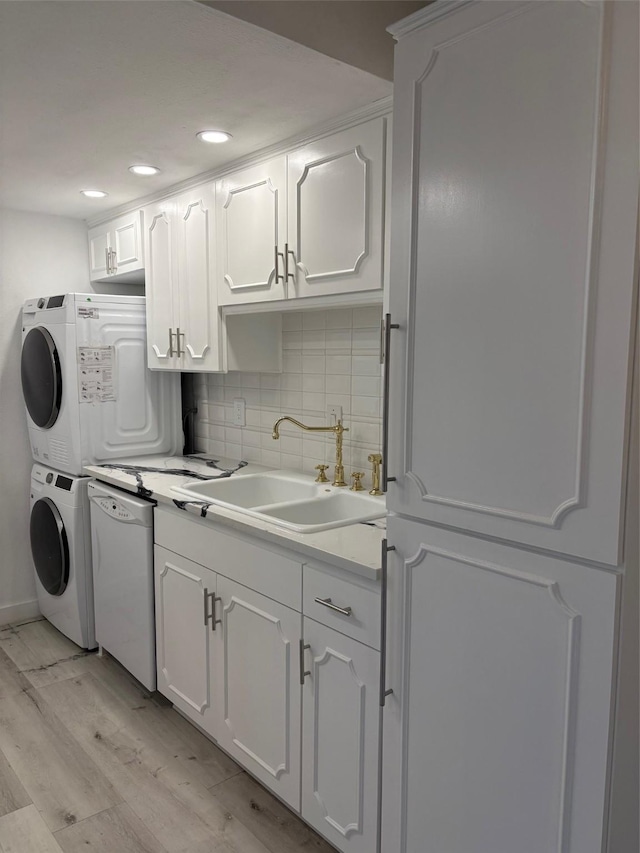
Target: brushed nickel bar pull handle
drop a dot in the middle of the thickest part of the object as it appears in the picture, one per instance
(383, 625)
(214, 621)
(207, 596)
(171, 353)
(388, 325)
(114, 261)
(179, 335)
(287, 252)
(277, 255)
(106, 260)
(303, 673)
(326, 602)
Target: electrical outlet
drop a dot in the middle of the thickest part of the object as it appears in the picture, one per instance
(334, 413)
(238, 412)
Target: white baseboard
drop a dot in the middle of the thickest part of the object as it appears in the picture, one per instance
(11, 613)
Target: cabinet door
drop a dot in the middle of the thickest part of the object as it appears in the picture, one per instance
(98, 246)
(340, 735)
(184, 636)
(496, 736)
(126, 241)
(512, 272)
(160, 286)
(250, 230)
(260, 696)
(199, 326)
(336, 212)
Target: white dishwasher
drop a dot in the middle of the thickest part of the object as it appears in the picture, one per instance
(122, 546)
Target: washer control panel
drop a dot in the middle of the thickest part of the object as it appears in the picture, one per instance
(114, 508)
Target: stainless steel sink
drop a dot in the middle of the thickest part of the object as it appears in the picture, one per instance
(287, 499)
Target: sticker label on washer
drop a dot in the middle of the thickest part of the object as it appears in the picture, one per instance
(88, 312)
(95, 375)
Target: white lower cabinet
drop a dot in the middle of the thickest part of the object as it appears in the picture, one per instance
(340, 736)
(501, 662)
(259, 691)
(185, 595)
(297, 707)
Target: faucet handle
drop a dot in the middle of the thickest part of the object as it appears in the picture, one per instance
(322, 477)
(357, 485)
(376, 460)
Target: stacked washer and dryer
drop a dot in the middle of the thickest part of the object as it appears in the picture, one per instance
(90, 399)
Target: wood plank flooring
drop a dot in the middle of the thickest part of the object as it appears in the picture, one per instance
(90, 761)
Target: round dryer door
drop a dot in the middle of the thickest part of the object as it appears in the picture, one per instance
(49, 546)
(41, 377)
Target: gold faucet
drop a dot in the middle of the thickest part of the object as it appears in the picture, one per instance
(338, 478)
(376, 459)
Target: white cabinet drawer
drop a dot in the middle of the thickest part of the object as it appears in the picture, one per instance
(363, 621)
(252, 564)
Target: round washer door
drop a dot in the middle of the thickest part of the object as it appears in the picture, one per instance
(49, 546)
(41, 377)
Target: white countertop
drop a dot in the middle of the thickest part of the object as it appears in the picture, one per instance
(355, 547)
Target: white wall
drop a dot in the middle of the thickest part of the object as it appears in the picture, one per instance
(39, 255)
(330, 358)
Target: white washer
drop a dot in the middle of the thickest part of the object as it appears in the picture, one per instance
(89, 395)
(61, 549)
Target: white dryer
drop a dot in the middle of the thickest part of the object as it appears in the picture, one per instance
(89, 395)
(61, 548)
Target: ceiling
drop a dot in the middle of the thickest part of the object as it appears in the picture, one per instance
(352, 31)
(88, 88)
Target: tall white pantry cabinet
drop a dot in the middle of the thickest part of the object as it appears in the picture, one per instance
(511, 333)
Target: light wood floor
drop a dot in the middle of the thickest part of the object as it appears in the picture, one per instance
(89, 761)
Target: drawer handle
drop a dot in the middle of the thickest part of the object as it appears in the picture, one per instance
(346, 611)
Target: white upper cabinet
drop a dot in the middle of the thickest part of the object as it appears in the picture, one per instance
(336, 212)
(308, 223)
(251, 223)
(116, 249)
(183, 328)
(512, 268)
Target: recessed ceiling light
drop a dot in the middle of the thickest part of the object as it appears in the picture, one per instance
(144, 170)
(94, 193)
(213, 136)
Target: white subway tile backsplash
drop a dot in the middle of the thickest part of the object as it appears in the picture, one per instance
(291, 320)
(366, 339)
(314, 381)
(313, 402)
(291, 400)
(338, 384)
(291, 382)
(365, 386)
(292, 363)
(313, 339)
(291, 340)
(366, 365)
(339, 318)
(314, 319)
(313, 364)
(330, 358)
(270, 381)
(338, 364)
(368, 406)
(370, 315)
(338, 339)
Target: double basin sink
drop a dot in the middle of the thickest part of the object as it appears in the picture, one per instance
(287, 499)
